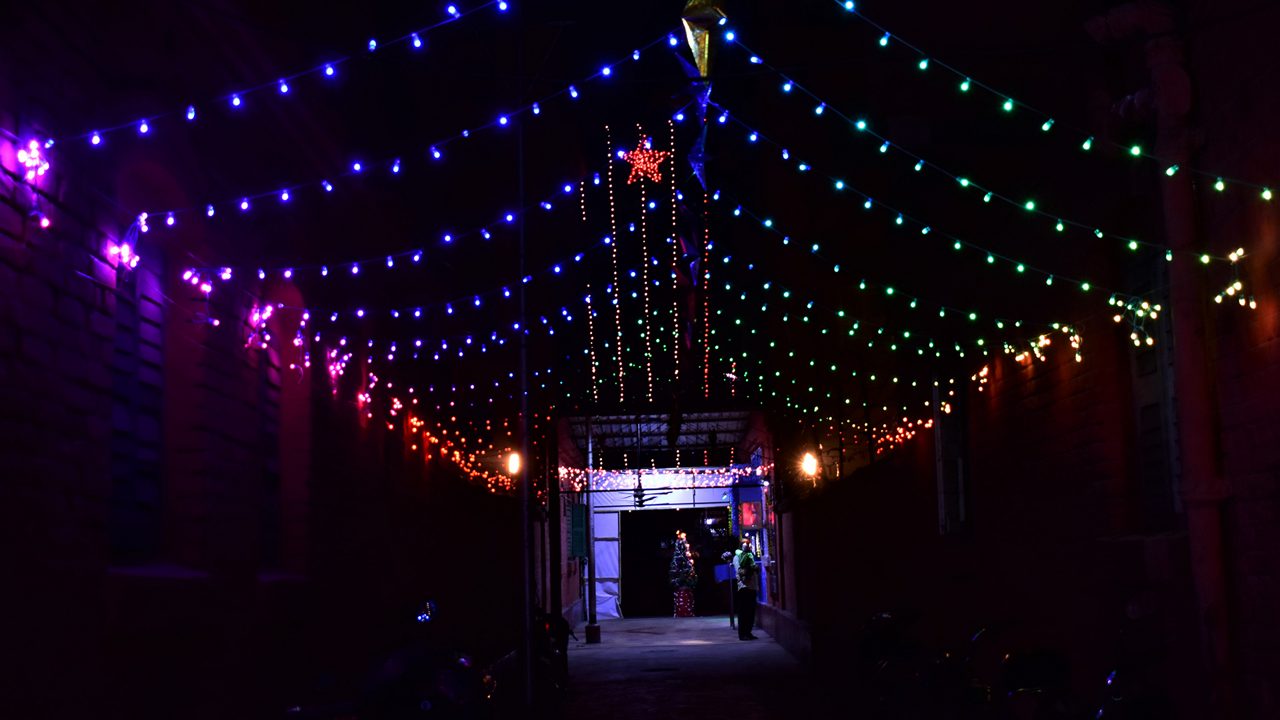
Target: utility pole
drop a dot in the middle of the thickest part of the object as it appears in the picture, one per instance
(526, 491)
(593, 629)
(1204, 489)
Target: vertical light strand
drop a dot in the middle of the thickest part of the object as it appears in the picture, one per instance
(590, 310)
(706, 300)
(644, 278)
(613, 248)
(675, 265)
(591, 346)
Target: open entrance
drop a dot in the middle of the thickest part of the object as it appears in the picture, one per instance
(647, 547)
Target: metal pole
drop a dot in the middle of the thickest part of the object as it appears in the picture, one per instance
(593, 629)
(555, 551)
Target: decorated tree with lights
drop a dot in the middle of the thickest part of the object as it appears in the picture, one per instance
(684, 578)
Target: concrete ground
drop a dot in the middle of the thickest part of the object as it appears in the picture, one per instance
(685, 668)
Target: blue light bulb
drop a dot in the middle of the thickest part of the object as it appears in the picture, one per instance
(573, 92)
(416, 40)
(284, 88)
(95, 139)
(328, 186)
(536, 109)
(435, 152)
(235, 101)
(373, 45)
(356, 167)
(191, 113)
(606, 71)
(143, 128)
(328, 70)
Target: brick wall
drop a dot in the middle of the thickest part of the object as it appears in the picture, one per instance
(190, 527)
(1052, 555)
(1238, 113)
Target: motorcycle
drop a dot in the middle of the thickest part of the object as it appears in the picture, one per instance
(550, 667)
(420, 678)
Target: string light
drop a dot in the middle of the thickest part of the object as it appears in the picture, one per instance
(962, 181)
(675, 260)
(393, 162)
(613, 247)
(1045, 118)
(282, 83)
(901, 219)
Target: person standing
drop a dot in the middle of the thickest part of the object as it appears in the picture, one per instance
(748, 572)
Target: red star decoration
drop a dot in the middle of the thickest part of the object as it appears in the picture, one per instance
(645, 161)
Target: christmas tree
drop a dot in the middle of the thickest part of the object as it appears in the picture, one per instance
(684, 578)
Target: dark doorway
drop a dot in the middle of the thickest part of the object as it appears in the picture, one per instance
(648, 540)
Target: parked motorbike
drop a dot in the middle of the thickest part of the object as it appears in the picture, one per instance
(421, 678)
(550, 668)
(891, 665)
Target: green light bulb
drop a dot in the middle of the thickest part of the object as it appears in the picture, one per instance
(956, 245)
(1029, 205)
(986, 198)
(919, 165)
(1168, 256)
(1085, 286)
(1048, 280)
(1060, 227)
(973, 316)
(923, 64)
(964, 182)
(1135, 150)
(991, 259)
(1220, 185)
(1008, 105)
(1266, 194)
(1021, 267)
(1133, 245)
(1087, 144)
(1047, 124)
(964, 86)
(1204, 259)
(1171, 170)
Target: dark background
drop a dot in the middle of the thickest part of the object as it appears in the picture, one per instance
(192, 529)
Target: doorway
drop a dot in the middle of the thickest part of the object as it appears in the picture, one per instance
(648, 541)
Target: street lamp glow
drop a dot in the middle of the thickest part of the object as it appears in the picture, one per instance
(809, 464)
(513, 464)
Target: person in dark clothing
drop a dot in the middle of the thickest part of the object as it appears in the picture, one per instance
(748, 572)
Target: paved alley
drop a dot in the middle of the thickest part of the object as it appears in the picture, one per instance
(686, 667)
